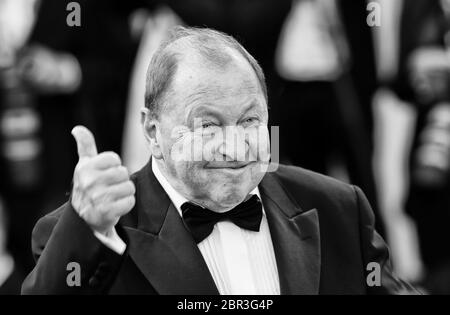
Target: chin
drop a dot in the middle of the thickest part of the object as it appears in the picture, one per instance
(229, 196)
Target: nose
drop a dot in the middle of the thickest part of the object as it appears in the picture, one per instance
(234, 146)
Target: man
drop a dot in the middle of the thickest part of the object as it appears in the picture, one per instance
(215, 225)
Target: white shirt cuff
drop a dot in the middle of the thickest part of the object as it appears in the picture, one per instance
(112, 241)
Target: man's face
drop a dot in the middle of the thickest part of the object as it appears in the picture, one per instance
(211, 132)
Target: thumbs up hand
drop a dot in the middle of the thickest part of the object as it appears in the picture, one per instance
(102, 190)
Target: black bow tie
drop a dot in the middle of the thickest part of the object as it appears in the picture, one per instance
(201, 221)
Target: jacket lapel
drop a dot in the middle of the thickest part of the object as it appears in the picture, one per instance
(296, 239)
(161, 246)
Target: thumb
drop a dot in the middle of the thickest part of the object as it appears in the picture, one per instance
(85, 142)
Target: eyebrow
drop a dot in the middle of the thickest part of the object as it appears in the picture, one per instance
(209, 110)
(253, 104)
(201, 109)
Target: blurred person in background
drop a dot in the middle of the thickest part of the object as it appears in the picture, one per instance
(20, 126)
(52, 77)
(35, 76)
(326, 58)
(424, 81)
(10, 277)
(393, 128)
(103, 50)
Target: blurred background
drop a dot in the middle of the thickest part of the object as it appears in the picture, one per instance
(360, 90)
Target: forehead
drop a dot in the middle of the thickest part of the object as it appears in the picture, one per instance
(199, 79)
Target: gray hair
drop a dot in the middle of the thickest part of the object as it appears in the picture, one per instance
(210, 44)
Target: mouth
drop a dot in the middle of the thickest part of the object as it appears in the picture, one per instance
(228, 165)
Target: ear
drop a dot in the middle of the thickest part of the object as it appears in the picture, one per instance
(150, 128)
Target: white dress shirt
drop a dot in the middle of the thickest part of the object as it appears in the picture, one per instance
(241, 262)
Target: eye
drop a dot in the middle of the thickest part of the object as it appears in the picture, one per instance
(207, 124)
(249, 121)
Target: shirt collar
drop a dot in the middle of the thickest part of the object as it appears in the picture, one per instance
(177, 198)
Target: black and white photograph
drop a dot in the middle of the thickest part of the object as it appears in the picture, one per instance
(237, 148)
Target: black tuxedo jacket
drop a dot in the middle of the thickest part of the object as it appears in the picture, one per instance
(322, 232)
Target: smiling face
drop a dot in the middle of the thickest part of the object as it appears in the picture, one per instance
(214, 106)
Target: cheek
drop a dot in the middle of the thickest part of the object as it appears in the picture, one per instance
(259, 143)
(191, 172)
(185, 146)
(165, 141)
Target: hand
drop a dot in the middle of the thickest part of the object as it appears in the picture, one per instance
(102, 190)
